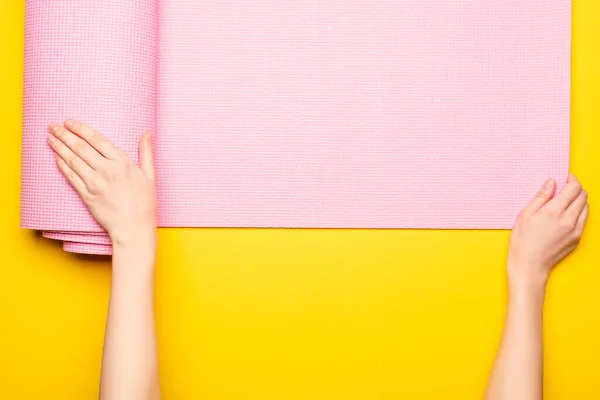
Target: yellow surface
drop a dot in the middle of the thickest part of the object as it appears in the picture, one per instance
(298, 314)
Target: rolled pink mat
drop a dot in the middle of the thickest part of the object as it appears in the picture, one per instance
(78, 237)
(308, 114)
(89, 60)
(87, 248)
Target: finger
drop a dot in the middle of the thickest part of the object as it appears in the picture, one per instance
(100, 143)
(571, 177)
(80, 167)
(567, 195)
(72, 177)
(542, 197)
(580, 225)
(574, 210)
(78, 146)
(147, 155)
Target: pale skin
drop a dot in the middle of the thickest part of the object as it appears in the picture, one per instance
(122, 198)
(547, 230)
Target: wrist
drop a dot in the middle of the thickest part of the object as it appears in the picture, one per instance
(526, 280)
(134, 259)
(141, 243)
(129, 238)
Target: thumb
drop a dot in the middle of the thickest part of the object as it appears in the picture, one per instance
(147, 155)
(543, 196)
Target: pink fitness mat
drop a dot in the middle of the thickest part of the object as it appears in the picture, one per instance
(287, 113)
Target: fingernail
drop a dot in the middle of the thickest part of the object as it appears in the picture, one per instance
(53, 127)
(548, 183)
(69, 123)
(51, 138)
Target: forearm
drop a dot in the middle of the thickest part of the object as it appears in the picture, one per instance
(518, 370)
(129, 363)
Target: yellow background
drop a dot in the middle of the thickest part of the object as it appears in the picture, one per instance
(299, 314)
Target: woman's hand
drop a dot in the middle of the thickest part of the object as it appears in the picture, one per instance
(122, 198)
(120, 195)
(547, 230)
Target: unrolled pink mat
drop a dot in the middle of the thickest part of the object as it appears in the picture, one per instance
(287, 113)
